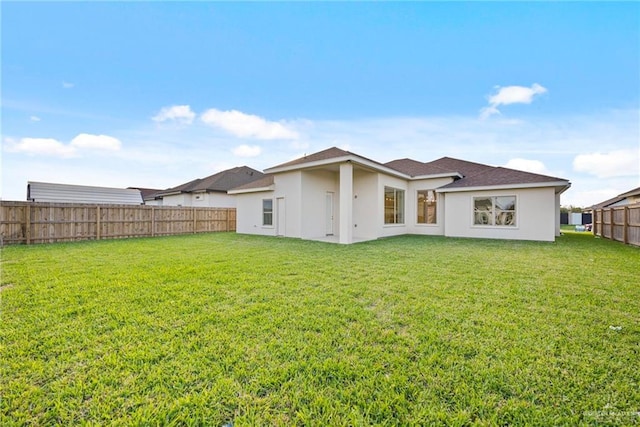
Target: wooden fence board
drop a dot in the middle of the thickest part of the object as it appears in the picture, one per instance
(620, 223)
(28, 222)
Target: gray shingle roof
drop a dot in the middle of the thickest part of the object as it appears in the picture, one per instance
(415, 168)
(498, 176)
(329, 153)
(466, 174)
(219, 182)
(473, 174)
(463, 167)
(259, 183)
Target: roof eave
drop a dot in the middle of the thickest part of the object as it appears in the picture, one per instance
(438, 175)
(337, 160)
(560, 186)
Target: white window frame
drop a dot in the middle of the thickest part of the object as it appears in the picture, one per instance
(266, 211)
(399, 208)
(491, 213)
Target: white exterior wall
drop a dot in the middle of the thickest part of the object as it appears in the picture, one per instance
(249, 214)
(366, 205)
(313, 207)
(557, 213)
(289, 186)
(535, 215)
(436, 229)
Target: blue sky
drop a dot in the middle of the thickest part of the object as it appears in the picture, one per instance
(155, 94)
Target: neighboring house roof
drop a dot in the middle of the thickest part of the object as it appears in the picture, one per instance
(219, 182)
(147, 193)
(619, 198)
(265, 183)
(49, 192)
(634, 192)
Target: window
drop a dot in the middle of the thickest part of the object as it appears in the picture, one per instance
(393, 206)
(499, 211)
(267, 212)
(426, 207)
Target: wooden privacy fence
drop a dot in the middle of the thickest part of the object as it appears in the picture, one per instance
(28, 222)
(620, 223)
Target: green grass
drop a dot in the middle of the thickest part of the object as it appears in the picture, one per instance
(222, 328)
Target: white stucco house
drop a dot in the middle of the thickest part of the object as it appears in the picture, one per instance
(210, 191)
(335, 195)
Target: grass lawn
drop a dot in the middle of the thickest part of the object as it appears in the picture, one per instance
(225, 329)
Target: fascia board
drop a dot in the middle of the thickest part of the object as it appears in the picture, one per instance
(307, 165)
(437, 175)
(337, 160)
(563, 185)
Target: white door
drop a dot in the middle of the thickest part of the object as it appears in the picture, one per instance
(329, 213)
(280, 212)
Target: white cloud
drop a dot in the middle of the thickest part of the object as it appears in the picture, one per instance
(96, 142)
(511, 95)
(247, 151)
(609, 165)
(67, 85)
(41, 146)
(247, 125)
(534, 166)
(34, 118)
(179, 113)
(53, 147)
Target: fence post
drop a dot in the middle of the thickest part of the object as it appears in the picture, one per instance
(153, 221)
(27, 230)
(194, 221)
(612, 225)
(625, 225)
(98, 223)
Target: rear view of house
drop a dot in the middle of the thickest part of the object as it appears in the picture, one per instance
(336, 195)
